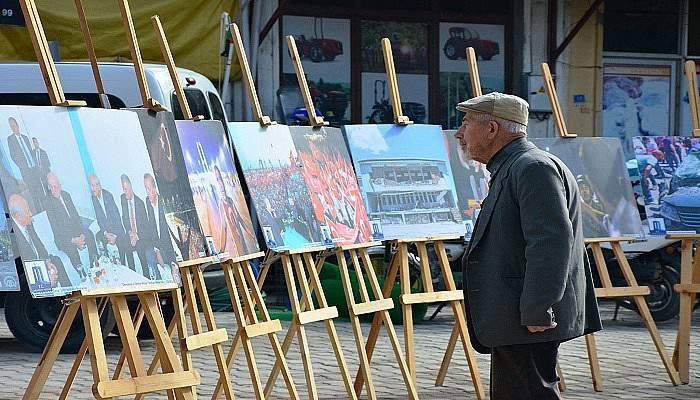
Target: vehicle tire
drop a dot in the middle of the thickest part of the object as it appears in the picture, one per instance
(450, 51)
(32, 320)
(316, 53)
(486, 57)
(663, 301)
(330, 57)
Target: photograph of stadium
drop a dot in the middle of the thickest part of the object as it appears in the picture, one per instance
(218, 197)
(335, 194)
(275, 177)
(405, 178)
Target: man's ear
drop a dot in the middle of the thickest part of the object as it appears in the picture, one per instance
(493, 129)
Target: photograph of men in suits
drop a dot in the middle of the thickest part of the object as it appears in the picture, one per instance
(43, 164)
(135, 223)
(108, 219)
(527, 279)
(69, 234)
(22, 155)
(158, 226)
(29, 245)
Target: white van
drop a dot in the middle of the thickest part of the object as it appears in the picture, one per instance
(32, 320)
(22, 84)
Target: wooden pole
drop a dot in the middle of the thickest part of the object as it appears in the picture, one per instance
(691, 78)
(174, 76)
(473, 72)
(85, 29)
(44, 58)
(393, 83)
(264, 120)
(554, 101)
(148, 101)
(314, 120)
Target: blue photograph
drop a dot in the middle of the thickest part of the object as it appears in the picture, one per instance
(406, 180)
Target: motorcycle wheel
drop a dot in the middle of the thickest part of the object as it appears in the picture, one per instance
(663, 301)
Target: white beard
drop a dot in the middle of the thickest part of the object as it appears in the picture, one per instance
(464, 156)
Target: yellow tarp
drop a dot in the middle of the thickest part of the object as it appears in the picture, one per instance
(191, 26)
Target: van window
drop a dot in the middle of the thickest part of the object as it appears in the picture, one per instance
(42, 99)
(216, 109)
(196, 101)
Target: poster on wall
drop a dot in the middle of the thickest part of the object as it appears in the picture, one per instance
(609, 207)
(324, 48)
(216, 188)
(489, 46)
(376, 103)
(669, 169)
(335, 194)
(405, 178)
(174, 203)
(471, 182)
(275, 177)
(637, 101)
(78, 203)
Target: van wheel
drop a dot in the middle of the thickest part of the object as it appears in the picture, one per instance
(664, 301)
(32, 320)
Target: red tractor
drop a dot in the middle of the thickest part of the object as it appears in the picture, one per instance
(461, 38)
(318, 48)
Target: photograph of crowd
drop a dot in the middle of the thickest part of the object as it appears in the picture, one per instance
(218, 197)
(669, 171)
(175, 202)
(328, 172)
(275, 177)
(405, 178)
(472, 183)
(76, 205)
(609, 208)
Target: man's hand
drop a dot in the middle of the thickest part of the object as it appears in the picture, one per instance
(536, 329)
(111, 237)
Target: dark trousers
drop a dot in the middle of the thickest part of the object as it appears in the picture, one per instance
(525, 372)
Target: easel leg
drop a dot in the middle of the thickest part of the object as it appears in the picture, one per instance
(356, 327)
(80, 356)
(562, 383)
(689, 273)
(407, 310)
(93, 333)
(274, 341)
(447, 357)
(646, 314)
(137, 320)
(593, 362)
(53, 347)
(169, 359)
(377, 320)
(211, 325)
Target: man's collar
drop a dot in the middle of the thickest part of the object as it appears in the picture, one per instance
(502, 155)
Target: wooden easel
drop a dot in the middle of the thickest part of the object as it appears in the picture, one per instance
(241, 282)
(399, 265)
(174, 378)
(688, 288)
(608, 290)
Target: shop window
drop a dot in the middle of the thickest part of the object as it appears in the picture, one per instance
(642, 26)
(694, 28)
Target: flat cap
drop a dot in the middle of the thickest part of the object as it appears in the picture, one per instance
(506, 106)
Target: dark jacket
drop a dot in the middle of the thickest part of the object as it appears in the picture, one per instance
(65, 221)
(142, 230)
(108, 219)
(17, 154)
(25, 249)
(161, 241)
(526, 263)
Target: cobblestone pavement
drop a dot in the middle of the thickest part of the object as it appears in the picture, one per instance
(630, 366)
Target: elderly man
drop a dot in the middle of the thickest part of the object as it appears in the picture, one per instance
(527, 279)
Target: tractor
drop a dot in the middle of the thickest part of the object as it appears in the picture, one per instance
(318, 48)
(382, 112)
(461, 38)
